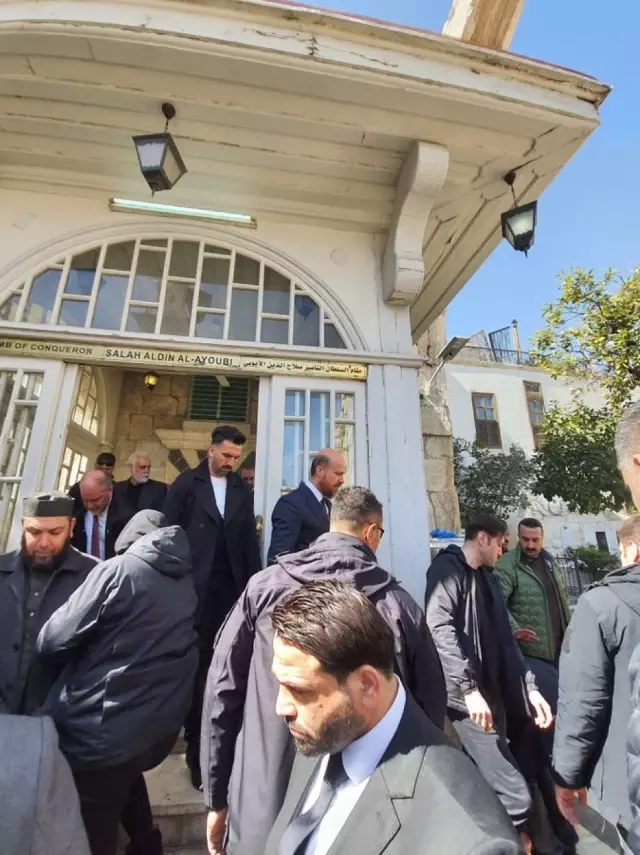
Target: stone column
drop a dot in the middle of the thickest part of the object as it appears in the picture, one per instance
(437, 439)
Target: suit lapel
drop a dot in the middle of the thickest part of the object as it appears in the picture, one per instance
(315, 506)
(234, 497)
(372, 824)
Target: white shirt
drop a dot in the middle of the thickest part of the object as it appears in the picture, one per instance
(360, 760)
(220, 492)
(88, 528)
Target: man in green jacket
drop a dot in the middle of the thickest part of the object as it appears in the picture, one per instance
(539, 611)
(536, 596)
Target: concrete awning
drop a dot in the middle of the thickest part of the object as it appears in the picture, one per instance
(290, 113)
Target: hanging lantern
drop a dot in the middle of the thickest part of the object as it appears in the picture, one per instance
(160, 160)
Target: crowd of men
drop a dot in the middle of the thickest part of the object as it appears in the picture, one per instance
(323, 709)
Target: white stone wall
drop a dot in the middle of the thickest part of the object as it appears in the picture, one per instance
(345, 265)
(506, 382)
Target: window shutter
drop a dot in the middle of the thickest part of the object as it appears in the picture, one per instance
(211, 402)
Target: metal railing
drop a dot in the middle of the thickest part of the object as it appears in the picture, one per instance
(487, 354)
(577, 578)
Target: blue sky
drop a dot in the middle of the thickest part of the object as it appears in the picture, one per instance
(587, 217)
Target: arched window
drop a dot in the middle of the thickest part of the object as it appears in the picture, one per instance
(85, 413)
(174, 287)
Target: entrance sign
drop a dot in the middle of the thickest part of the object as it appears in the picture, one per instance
(192, 360)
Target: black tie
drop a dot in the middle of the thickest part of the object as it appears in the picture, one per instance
(326, 504)
(296, 835)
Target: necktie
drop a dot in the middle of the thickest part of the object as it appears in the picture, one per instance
(326, 504)
(95, 537)
(296, 835)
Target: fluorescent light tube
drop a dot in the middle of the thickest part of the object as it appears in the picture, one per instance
(160, 209)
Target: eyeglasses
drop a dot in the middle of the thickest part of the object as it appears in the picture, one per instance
(381, 530)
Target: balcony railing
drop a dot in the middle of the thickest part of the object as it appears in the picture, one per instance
(487, 354)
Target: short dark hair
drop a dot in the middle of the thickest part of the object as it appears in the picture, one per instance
(319, 460)
(356, 506)
(227, 432)
(488, 523)
(106, 459)
(530, 522)
(338, 625)
(249, 462)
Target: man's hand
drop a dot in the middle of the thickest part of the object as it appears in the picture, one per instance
(216, 827)
(526, 635)
(544, 716)
(479, 710)
(570, 802)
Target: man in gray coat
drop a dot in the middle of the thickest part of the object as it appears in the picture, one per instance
(40, 811)
(247, 752)
(127, 640)
(35, 580)
(373, 774)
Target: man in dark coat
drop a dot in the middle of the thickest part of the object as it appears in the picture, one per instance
(127, 642)
(35, 580)
(487, 684)
(105, 462)
(373, 775)
(99, 523)
(215, 508)
(139, 492)
(594, 702)
(249, 777)
(301, 516)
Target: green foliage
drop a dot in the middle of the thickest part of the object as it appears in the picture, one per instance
(596, 561)
(591, 333)
(493, 482)
(577, 459)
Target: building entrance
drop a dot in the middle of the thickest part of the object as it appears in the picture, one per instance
(286, 421)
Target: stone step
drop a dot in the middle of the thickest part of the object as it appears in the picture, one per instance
(178, 808)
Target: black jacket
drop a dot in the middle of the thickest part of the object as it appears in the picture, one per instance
(129, 646)
(593, 696)
(64, 581)
(424, 798)
(115, 524)
(297, 520)
(452, 617)
(150, 496)
(241, 692)
(633, 752)
(190, 503)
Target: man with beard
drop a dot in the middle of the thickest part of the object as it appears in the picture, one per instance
(374, 775)
(489, 690)
(247, 752)
(139, 492)
(215, 508)
(35, 580)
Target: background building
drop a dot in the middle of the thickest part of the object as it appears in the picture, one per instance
(369, 157)
(497, 396)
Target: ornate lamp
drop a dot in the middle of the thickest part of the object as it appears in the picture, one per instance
(151, 380)
(160, 161)
(519, 224)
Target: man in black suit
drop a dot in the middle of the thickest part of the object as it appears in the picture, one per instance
(106, 462)
(139, 492)
(215, 508)
(373, 774)
(300, 517)
(98, 522)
